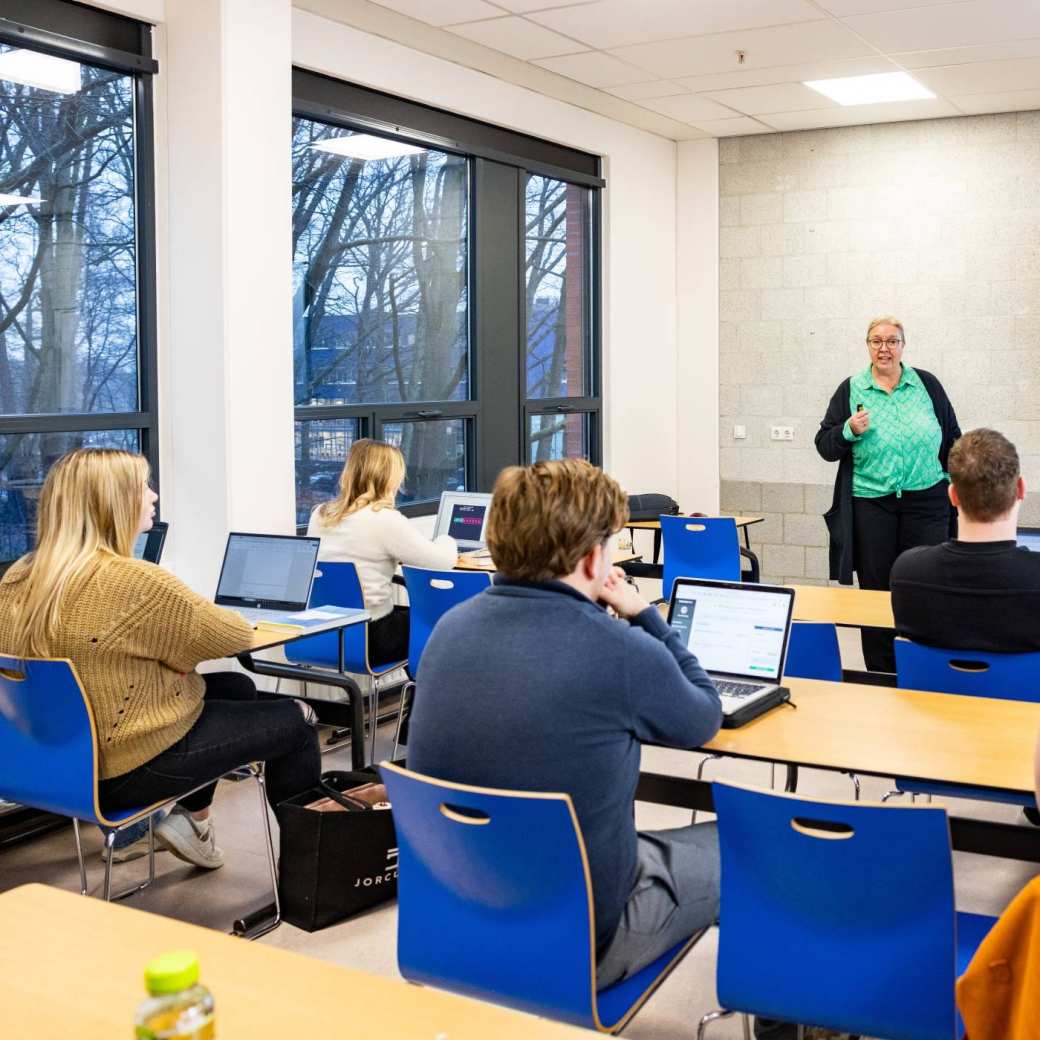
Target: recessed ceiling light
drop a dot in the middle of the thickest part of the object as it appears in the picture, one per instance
(366, 147)
(19, 200)
(40, 70)
(871, 90)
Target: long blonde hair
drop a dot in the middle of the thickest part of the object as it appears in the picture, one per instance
(371, 476)
(90, 503)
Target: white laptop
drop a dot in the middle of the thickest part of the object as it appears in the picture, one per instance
(739, 633)
(267, 578)
(463, 515)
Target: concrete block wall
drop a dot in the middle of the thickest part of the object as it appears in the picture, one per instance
(936, 222)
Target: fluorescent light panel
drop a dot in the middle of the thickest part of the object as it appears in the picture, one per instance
(40, 70)
(871, 90)
(19, 200)
(366, 147)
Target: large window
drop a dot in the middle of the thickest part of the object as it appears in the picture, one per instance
(445, 293)
(76, 336)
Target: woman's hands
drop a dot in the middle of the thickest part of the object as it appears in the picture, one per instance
(859, 423)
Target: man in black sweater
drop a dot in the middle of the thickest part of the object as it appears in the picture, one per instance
(979, 591)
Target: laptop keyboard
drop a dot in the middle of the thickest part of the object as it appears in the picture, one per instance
(728, 688)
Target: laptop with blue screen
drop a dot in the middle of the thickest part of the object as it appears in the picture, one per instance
(739, 633)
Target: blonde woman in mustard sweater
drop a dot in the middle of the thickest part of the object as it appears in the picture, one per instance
(362, 526)
(136, 634)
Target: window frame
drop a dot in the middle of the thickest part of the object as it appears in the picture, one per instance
(499, 161)
(99, 38)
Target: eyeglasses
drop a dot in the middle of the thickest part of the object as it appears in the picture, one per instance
(877, 344)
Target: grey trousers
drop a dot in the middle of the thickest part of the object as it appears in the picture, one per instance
(676, 893)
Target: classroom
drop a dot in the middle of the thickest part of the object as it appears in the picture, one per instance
(663, 373)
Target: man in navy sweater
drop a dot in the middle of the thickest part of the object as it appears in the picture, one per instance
(533, 685)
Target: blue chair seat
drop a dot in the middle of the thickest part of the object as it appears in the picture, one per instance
(971, 930)
(614, 1002)
(699, 547)
(978, 794)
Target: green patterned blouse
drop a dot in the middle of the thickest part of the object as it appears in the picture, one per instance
(899, 451)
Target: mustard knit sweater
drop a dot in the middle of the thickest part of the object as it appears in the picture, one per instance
(135, 634)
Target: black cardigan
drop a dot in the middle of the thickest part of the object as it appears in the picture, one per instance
(832, 446)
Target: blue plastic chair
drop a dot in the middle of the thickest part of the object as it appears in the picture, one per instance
(972, 673)
(495, 902)
(49, 760)
(813, 653)
(699, 547)
(337, 584)
(431, 594)
(864, 893)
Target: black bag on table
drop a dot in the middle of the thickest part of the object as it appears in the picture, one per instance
(337, 860)
(650, 507)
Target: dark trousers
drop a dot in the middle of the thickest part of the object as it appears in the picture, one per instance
(237, 725)
(388, 638)
(884, 528)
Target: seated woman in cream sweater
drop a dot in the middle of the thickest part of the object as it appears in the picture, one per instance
(136, 634)
(363, 527)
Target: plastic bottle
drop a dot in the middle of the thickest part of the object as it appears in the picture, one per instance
(177, 1007)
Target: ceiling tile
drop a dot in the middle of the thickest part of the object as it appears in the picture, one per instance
(1006, 101)
(949, 25)
(788, 74)
(733, 127)
(779, 97)
(657, 88)
(843, 8)
(517, 36)
(689, 108)
(617, 23)
(962, 55)
(594, 68)
(443, 12)
(782, 45)
(523, 6)
(982, 77)
(857, 115)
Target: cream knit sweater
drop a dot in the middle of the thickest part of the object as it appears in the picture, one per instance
(135, 634)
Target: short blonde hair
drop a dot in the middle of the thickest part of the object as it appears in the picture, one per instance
(886, 320)
(370, 477)
(544, 518)
(90, 502)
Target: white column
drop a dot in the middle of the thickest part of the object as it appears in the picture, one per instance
(697, 348)
(224, 104)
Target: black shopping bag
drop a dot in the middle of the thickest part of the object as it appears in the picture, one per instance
(338, 853)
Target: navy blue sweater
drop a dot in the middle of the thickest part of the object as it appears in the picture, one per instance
(535, 687)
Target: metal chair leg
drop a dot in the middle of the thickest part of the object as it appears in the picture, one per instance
(746, 1020)
(892, 794)
(409, 687)
(700, 772)
(79, 856)
(110, 840)
(261, 782)
(855, 785)
(715, 1016)
(373, 703)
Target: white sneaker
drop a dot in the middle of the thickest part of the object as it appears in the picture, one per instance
(191, 840)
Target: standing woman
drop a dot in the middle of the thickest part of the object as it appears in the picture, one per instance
(362, 526)
(890, 427)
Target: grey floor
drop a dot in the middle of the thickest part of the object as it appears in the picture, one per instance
(984, 884)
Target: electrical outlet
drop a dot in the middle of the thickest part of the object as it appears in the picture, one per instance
(740, 433)
(781, 433)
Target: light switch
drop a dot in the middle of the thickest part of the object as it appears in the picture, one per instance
(740, 433)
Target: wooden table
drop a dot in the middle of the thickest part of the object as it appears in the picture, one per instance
(882, 731)
(261, 993)
(843, 605)
(480, 560)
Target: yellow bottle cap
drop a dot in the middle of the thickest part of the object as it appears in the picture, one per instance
(171, 972)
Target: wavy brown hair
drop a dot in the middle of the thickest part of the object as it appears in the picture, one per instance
(544, 518)
(984, 470)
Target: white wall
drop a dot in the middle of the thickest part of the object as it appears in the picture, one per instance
(638, 223)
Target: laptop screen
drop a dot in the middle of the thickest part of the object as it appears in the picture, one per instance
(268, 570)
(1029, 538)
(734, 628)
(149, 544)
(462, 514)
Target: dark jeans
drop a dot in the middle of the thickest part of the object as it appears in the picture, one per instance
(388, 638)
(237, 725)
(884, 528)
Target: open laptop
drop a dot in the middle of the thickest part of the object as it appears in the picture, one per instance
(1029, 538)
(739, 632)
(463, 515)
(149, 544)
(267, 577)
